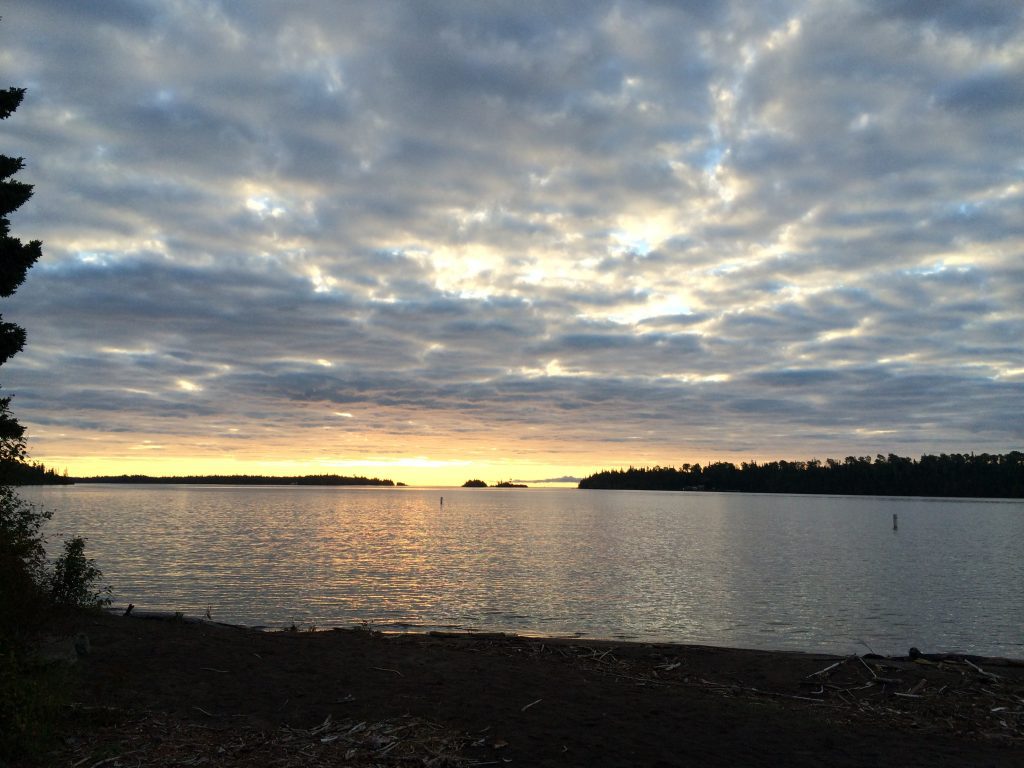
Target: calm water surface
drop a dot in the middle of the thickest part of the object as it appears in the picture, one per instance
(763, 571)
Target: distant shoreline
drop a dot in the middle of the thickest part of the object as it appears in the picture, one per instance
(944, 476)
(323, 480)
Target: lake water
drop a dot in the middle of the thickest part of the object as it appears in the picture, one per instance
(761, 571)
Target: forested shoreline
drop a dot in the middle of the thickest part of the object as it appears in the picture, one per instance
(236, 480)
(31, 473)
(957, 475)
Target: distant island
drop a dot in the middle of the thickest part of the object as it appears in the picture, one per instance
(960, 475)
(236, 480)
(502, 484)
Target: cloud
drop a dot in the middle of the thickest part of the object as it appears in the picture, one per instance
(774, 229)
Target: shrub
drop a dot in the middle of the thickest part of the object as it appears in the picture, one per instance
(75, 577)
(22, 563)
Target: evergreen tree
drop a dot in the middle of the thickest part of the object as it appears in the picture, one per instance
(16, 258)
(22, 557)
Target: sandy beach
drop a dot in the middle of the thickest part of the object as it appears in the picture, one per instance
(165, 691)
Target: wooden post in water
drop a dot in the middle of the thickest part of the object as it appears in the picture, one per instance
(895, 526)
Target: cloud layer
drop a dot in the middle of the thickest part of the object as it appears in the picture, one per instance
(561, 234)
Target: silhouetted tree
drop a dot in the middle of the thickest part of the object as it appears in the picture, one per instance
(22, 557)
(15, 260)
(27, 585)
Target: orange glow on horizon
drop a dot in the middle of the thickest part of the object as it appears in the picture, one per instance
(433, 454)
(420, 460)
(417, 471)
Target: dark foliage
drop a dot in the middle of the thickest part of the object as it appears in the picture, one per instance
(474, 484)
(22, 557)
(30, 473)
(22, 565)
(74, 579)
(963, 475)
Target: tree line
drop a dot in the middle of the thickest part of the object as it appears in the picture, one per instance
(31, 473)
(981, 475)
(236, 480)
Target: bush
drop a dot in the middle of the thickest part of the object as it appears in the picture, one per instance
(34, 692)
(75, 577)
(22, 563)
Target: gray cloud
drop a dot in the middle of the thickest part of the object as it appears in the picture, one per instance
(680, 231)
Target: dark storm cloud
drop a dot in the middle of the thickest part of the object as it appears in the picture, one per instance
(776, 227)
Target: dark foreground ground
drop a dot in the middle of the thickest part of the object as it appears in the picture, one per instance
(165, 692)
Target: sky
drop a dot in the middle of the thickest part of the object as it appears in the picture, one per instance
(515, 240)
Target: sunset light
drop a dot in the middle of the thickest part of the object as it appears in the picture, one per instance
(489, 382)
(295, 240)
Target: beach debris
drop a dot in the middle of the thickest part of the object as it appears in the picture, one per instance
(105, 761)
(827, 669)
(947, 692)
(972, 698)
(162, 740)
(979, 670)
(538, 701)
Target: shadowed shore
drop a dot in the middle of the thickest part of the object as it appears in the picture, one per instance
(159, 691)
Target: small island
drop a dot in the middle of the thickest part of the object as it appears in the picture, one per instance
(502, 484)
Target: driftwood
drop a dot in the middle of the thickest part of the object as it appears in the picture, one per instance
(943, 692)
(538, 701)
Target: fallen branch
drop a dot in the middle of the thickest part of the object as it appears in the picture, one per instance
(829, 668)
(981, 671)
